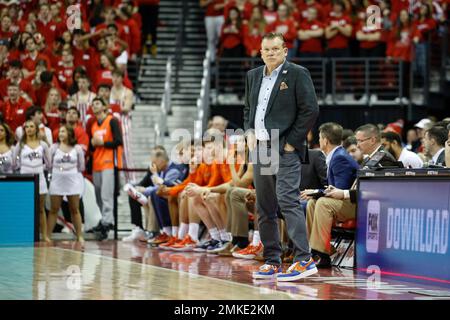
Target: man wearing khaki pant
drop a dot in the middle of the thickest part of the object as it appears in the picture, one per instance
(341, 173)
(339, 204)
(320, 224)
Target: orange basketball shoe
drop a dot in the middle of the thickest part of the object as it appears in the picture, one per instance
(162, 238)
(166, 245)
(250, 252)
(186, 245)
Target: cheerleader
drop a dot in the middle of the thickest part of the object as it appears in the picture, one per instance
(31, 156)
(6, 155)
(67, 162)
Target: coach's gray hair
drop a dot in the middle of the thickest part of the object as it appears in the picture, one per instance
(370, 130)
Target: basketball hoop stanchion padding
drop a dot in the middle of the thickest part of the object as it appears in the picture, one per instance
(37, 205)
(19, 209)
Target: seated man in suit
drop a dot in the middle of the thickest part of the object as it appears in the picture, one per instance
(434, 144)
(314, 173)
(341, 172)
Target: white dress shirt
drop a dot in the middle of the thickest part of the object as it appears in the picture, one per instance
(328, 159)
(268, 82)
(410, 159)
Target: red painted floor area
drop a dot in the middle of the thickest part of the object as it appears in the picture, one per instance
(328, 284)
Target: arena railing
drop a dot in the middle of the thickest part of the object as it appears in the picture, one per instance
(161, 129)
(180, 41)
(359, 81)
(203, 105)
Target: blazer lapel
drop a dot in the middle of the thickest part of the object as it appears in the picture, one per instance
(281, 77)
(254, 97)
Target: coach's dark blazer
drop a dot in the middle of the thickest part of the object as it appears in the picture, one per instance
(293, 110)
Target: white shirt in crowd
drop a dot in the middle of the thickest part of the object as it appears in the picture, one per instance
(410, 159)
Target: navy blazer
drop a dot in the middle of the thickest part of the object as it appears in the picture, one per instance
(342, 169)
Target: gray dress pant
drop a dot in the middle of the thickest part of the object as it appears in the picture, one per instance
(277, 186)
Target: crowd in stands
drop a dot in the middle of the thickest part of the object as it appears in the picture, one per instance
(66, 98)
(210, 184)
(315, 28)
(400, 30)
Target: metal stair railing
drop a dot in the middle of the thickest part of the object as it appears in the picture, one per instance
(203, 103)
(161, 128)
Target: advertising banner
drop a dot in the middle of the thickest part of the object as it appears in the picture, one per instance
(403, 227)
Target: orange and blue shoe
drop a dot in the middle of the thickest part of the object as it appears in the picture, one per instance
(267, 271)
(298, 270)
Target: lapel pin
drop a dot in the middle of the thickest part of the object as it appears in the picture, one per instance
(284, 71)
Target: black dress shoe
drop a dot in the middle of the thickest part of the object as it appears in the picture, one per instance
(103, 230)
(97, 228)
(322, 260)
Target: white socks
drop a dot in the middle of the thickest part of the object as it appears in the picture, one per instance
(224, 235)
(175, 231)
(183, 230)
(193, 231)
(256, 238)
(214, 233)
(167, 230)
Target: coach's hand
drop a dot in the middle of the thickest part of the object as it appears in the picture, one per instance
(288, 147)
(251, 141)
(335, 193)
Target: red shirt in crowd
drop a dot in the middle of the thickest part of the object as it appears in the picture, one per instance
(367, 30)
(339, 41)
(401, 46)
(246, 11)
(397, 6)
(313, 45)
(30, 64)
(24, 86)
(211, 11)
(52, 119)
(6, 34)
(131, 29)
(120, 32)
(424, 27)
(228, 39)
(14, 113)
(287, 28)
(252, 38)
(89, 58)
(322, 10)
(65, 76)
(50, 30)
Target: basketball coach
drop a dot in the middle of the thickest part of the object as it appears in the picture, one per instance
(280, 108)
